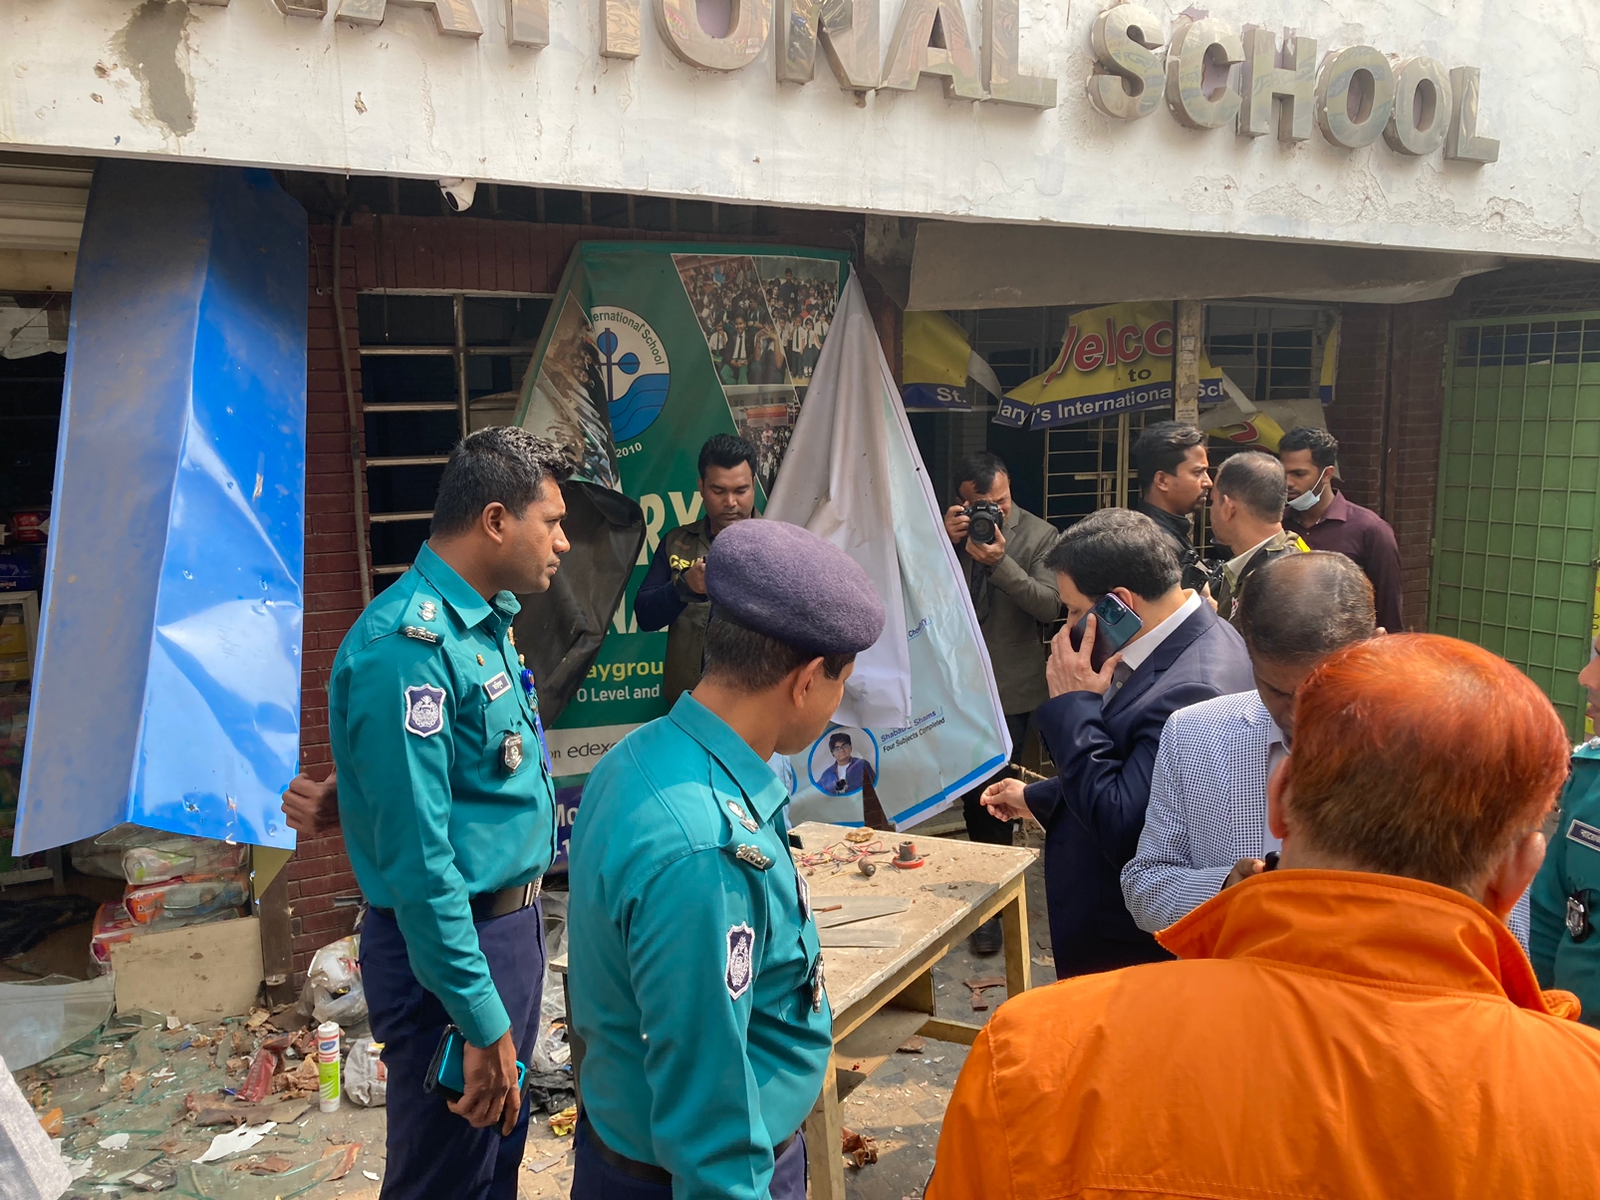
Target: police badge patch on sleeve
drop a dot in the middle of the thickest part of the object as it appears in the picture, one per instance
(424, 710)
(741, 952)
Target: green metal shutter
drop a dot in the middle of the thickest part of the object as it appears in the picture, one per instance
(1518, 519)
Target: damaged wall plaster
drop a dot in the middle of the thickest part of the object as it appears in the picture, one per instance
(247, 82)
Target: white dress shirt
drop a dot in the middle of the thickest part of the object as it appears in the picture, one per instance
(1136, 652)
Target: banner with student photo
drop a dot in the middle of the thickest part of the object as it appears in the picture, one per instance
(1113, 359)
(921, 721)
(650, 349)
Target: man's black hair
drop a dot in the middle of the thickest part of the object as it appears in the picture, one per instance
(1304, 606)
(504, 464)
(1323, 445)
(726, 450)
(1254, 480)
(1163, 447)
(754, 662)
(840, 739)
(979, 469)
(1116, 547)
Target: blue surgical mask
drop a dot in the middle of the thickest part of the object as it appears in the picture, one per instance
(1307, 500)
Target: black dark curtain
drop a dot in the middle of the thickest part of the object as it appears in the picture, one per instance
(559, 631)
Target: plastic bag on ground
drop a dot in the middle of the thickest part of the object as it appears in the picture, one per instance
(366, 1079)
(333, 989)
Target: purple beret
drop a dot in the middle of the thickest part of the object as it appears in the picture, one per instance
(786, 582)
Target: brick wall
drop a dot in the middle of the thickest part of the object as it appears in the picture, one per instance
(319, 872)
(1416, 410)
(404, 253)
(1386, 415)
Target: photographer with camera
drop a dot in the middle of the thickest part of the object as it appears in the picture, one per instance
(1014, 592)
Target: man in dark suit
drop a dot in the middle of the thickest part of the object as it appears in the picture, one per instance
(1103, 728)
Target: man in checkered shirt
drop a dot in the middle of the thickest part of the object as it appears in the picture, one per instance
(1206, 828)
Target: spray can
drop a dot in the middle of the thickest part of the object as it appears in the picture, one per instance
(328, 1066)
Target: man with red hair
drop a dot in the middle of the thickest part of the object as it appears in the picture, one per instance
(1359, 1022)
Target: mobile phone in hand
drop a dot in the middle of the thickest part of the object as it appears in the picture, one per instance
(447, 1071)
(1115, 625)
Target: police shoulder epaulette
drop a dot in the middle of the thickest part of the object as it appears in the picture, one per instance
(421, 634)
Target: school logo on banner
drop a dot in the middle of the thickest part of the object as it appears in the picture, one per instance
(634, 368)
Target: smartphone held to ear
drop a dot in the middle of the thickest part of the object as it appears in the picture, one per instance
(1115, 625)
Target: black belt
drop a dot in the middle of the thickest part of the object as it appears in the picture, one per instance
(649, 1172)
(489, 905)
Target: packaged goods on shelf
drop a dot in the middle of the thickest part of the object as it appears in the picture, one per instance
(185, 900)
(138, 855)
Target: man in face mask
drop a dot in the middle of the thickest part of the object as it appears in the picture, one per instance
(1326, 520)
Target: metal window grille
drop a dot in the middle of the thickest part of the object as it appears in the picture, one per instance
(434, 366)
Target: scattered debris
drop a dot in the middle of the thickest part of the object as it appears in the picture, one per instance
(564, 1122)
(915, 1044)
(372, 1175)
(116, 1141)
(51, 1122)
(860, 835)
(980, 1002)
(346, 1156)
(545, 1164)
(236, 1141)
(867, 867)
(859, 1148)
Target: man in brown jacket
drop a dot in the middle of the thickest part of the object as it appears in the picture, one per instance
(1014, 594)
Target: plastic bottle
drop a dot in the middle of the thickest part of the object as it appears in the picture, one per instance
(328, 1066)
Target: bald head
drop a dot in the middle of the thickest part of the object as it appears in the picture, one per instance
(1297, 610)
(1254, 480)
(1301, 607)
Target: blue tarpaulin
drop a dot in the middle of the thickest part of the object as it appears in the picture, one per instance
(167, 684)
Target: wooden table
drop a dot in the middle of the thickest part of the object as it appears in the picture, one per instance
(880, 997)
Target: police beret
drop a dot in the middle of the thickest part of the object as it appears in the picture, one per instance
(786, 582)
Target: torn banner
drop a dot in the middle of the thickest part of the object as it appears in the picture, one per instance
(921, 710)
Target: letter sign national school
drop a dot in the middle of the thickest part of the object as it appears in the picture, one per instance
(1353, 95)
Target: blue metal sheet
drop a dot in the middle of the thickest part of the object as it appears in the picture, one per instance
(167, 688)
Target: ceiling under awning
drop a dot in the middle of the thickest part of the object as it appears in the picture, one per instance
(968, 266)
(42, 201)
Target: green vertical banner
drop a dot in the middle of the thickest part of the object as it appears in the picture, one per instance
(650, 349)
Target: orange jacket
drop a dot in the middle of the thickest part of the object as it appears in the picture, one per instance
(1331, 1034)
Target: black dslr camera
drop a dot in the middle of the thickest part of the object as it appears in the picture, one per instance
(984, 519)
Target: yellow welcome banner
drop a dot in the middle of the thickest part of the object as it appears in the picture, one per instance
(1113, 359)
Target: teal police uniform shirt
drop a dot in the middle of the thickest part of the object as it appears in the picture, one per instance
(443, 787)
(695, 968)
(1566, 894)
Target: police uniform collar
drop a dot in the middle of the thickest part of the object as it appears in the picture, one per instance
(762, 791)
(460, 595)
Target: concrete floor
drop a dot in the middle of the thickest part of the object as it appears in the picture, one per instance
(900, 1107)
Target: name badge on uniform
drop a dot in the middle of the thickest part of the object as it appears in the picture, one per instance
(497, 687)
(511, 753)
(753, 856)
(741, 958)
(1584, 835)
(424, 710)
(1578, 924)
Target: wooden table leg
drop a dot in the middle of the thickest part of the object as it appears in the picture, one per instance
(1014, 923)
(824, 1141)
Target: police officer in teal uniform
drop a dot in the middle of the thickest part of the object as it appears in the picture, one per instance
(1564, 946)
(696, 978)
(448, 811)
